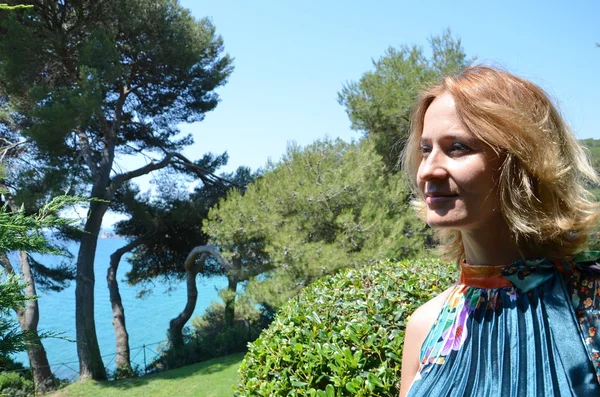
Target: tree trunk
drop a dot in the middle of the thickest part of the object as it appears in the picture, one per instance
(176, 324)
(232, 283)
(88, 351)
(122, 360)
(90, 361)
(193, 266)
(28, 321)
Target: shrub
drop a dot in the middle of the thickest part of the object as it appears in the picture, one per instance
(343, 336)
(15, 379)
(125, 373)
(213, 339)
(209, 337)
(15, 384)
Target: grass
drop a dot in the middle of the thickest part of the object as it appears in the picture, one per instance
(213, 378)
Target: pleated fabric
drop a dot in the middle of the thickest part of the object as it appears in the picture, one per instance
(523, 330)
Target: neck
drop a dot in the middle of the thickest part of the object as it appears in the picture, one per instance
(492, 246)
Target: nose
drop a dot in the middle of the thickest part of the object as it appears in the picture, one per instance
(433, 166)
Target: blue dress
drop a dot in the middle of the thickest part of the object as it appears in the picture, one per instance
(528, 329)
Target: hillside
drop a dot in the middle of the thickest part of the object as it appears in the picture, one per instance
(593, 145)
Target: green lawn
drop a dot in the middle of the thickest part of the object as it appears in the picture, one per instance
(213, 378)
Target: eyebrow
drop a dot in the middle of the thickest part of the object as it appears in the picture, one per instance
(452, 137)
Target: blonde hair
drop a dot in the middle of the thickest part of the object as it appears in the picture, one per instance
(542, 179)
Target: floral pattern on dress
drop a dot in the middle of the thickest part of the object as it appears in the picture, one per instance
(447, 334)
(585, 284)
(451, 329)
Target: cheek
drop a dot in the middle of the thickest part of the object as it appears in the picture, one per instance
(420, 181)
(420, 184)
(480, 179)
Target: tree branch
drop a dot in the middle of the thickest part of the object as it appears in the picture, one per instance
(171, 158)
(115, 257)
(202, 173)
(10, 145)
(211, 250)
(86, 152)
(119, 179)
(9, 199)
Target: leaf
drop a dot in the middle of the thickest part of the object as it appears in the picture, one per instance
(330, 391)
(374, 380)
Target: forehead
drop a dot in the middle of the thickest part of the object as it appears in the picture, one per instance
(442, 119)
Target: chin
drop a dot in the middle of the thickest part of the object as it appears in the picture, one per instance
(444, 225)
(465, 222)
(448, 222)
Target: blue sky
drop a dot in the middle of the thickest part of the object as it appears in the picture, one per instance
(293, 57)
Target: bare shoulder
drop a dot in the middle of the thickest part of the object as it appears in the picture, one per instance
(424, 317)
(417, 328)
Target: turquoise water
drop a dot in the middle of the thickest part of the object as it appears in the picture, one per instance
(147, 319)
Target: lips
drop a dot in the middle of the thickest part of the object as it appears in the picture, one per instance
(435, 197)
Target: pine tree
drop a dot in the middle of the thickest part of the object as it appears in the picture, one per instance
(90, 81)
(380, 103)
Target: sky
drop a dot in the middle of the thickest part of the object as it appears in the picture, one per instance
(291, 59)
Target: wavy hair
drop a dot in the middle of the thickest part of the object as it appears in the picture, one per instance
(543, 176)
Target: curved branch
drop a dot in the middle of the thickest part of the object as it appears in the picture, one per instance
(194, 263)
(122, 337)
(192, 266)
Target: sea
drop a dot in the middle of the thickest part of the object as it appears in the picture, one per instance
(147, 318)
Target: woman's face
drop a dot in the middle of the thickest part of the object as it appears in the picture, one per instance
(457, 172)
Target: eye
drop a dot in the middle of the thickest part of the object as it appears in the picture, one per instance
(424, 150)
(458, 148)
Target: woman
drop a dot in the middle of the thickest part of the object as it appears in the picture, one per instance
(501, 179)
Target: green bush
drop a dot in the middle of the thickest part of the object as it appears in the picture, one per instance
(209, 337)
(15, 384)
(343, 336)
(213, 339)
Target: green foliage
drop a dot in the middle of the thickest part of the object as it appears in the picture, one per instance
(12, 339)
(343, 335)
(218, 340)
(593, 148)
(142, 64)
(89, 81)
(111, 78)
(380, 103)
(26, 233)
(19, 232)
(210, 338)
(327, 206)
(169, 225)
(14, 384)
(6, 7)
(15, 379)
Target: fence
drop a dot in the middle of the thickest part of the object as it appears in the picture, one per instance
(140, 357)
